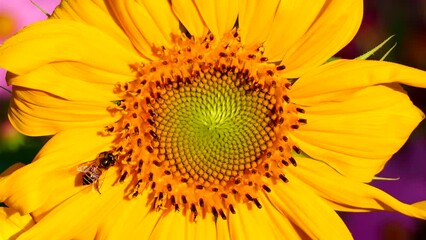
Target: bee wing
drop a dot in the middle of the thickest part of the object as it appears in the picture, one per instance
(101, 180)
(83, 167)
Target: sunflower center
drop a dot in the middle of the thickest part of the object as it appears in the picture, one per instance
(204, 127)
(213, 128)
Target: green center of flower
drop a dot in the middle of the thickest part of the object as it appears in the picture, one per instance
(204, 127)
(213, 129)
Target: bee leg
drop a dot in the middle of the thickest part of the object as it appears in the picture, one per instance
(96, 186)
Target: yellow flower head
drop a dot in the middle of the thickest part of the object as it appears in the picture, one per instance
(201, 120)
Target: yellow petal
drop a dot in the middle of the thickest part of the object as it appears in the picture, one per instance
(174, 225)
(335, 27)
(36, 113)
(292, 20)
(307, 210)
(64, 40)
(219, 16)
(420, 205)
(204, 228)
(13, 224)
(11, 169)
(94, 13)
(358, 132)
(79, 216)
(346, 194)
(283, 226)
(222, 230)
(255, 29)
(52, 177)
(147, 23)
(148, 222)
(249, 222)
(190, 17)
(129, 220)
(48, 79)
(342, 75)
(63, 72)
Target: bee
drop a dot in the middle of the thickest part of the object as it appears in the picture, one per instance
(92, 171)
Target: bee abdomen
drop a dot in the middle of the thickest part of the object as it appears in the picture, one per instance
(91, 176)
(87, 179)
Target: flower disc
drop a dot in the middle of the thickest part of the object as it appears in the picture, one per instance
(213, 129)
(205, 126)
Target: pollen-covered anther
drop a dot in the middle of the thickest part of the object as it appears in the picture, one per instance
(257, 203)
(205, 127)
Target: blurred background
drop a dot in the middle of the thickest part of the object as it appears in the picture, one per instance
(407, 21)
(382, 18)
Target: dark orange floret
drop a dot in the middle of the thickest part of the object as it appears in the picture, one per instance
(204, 125)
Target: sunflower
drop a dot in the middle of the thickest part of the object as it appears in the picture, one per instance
(200, 120)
